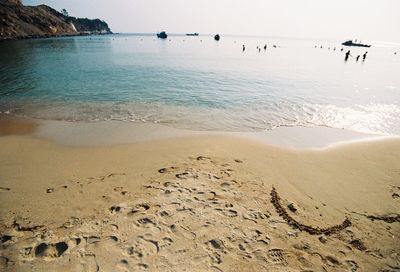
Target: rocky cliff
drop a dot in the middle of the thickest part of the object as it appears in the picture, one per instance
(19, 22)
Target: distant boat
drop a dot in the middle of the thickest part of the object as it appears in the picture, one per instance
(162, 35)
(217, 37)
(192, 34)
(351, 43)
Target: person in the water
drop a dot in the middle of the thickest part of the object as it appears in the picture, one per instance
(365, 55)
(265, 47)
(347, 55)
(358, 57)
(244, 48)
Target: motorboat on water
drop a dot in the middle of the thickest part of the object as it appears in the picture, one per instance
(351, 43)
(162, 35)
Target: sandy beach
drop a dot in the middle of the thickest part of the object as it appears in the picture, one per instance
(198, 203)
(224, 136)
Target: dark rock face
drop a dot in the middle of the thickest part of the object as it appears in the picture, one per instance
(19, 22)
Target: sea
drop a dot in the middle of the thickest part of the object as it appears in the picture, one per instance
(197, 83)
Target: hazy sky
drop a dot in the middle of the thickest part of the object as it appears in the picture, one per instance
(337, 19)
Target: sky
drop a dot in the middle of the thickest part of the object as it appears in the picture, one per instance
(373, 20)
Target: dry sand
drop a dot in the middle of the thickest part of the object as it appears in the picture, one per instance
(198, 203)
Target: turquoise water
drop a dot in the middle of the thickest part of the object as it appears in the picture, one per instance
(200, 84)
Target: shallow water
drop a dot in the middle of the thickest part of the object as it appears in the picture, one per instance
(197, 83)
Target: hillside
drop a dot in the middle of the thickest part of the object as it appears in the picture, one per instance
(20, 22)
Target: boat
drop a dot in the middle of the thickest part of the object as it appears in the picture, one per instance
(192, 34)
(217, 37)
(162, 35)
(351, 43)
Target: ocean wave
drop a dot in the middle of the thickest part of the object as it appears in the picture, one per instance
(382, 119)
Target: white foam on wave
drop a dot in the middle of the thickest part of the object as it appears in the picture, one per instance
(373, 118)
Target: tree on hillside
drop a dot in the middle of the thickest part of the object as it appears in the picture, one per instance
(64, 12)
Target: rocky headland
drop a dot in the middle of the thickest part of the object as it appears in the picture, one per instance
(23, 22)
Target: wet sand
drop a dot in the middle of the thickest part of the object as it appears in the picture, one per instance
(16, 126)
(198, 203)
(77, 134)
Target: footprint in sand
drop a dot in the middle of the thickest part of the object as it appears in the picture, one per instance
(91, 239)
(134, 252)
(123, 264)
(216, 248)
(142, 267)
(167, 169)
(120, 190)
(242, 247)
(141, 207)
(254, 215)
(277, 256)
(186, 175)
(205, 196)
(254, 234)
(90, 180)
(6, 239)
(144, 221)
(46, 250)
(332, 260)
(228, 212)
(304, 261)
(183, 231)
(115, 175)
(165, 213)
(352, 265)
(225, 185)
(116, 209)
(165, 242)
(203, 158)
(151, 242)
(264, 239)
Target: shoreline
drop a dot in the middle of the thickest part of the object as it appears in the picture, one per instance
(76, 134)
(49, 36)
